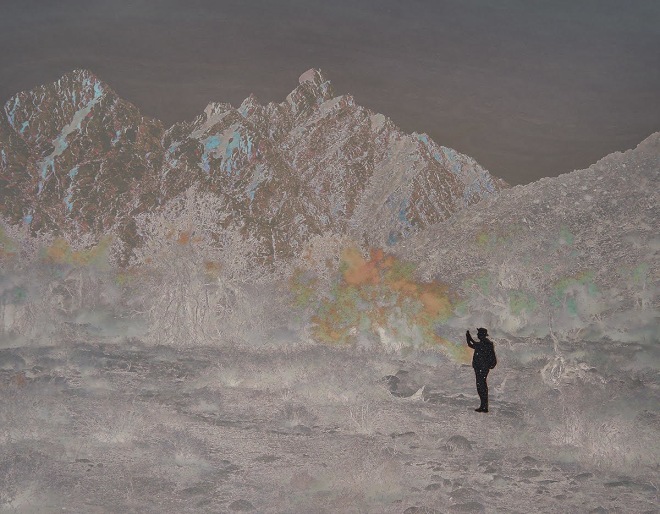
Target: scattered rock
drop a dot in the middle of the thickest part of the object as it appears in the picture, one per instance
(463, 493)
(490, 456)
(11, 361)
(499, 480)
(241, 505)
(420, 510)
(458, 442)
(433, 487)
(619, 483)
(302, 480)
(468, 507)
(301, 430)
(197, 489)
(394, 435)
(266, 459)
(402, 384)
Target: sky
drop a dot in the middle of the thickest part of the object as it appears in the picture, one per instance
(529, 88)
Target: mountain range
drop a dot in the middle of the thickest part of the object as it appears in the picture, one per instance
(78, 159)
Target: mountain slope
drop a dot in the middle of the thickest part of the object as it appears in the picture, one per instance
(85, 155)
(576, 254)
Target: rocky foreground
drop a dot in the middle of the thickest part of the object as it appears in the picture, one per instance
(115, 426)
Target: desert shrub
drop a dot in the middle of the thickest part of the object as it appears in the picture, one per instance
(195, 279)
(374, 299)
(47, 282)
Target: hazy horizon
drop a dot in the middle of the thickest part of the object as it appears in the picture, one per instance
(527, 90)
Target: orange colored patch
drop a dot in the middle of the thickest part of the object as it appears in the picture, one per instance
(435, 305)
(359, 272)
(58, 250)
(19, 379)
(212, 267)
(404, 287)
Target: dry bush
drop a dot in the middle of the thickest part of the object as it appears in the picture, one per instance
(49, 283)
(195, 280)
(611, 443)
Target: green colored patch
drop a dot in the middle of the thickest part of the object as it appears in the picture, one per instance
(520, 302)
(640, 274)
(483, 239)
(571, 306)
(461, 308)
(60, 252)
(562, 295)
(8, 247)
(482, 282)
(14, 295)
(636, 277)
(304, 289)
(400, 270)
(498, 237)
(565, 236)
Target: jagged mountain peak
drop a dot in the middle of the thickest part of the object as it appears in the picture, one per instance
(313, 89)
(82, 76)
(314, 76)
(39, 115)
(74, 87)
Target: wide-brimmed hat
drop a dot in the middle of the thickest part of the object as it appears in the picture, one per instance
(482, 331)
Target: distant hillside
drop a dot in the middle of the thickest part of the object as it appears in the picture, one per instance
(576, 254)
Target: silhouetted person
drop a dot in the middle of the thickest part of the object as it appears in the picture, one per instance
(483, 361)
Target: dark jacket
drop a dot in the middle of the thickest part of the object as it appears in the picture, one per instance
(484, 353)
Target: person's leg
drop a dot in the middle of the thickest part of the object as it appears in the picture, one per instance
(482, 388)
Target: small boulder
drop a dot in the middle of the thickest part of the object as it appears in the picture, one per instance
(458, 443)
(241, 506)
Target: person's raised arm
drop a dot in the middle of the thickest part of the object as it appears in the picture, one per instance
(470, 341)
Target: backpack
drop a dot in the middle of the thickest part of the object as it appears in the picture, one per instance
(493, 360)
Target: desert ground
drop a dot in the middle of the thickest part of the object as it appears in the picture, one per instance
(110, 424)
